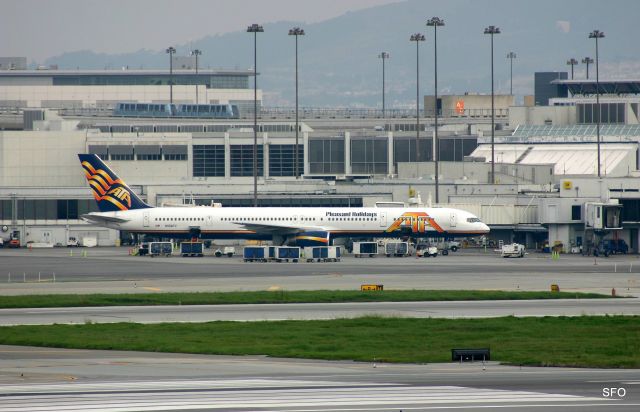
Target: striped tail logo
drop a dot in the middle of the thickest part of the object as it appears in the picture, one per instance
(104, 187)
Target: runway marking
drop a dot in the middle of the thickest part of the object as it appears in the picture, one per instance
(152, 289)
(249, 394)
(422, 408)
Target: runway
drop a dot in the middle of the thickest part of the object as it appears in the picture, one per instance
(316, 311)
(48, 380)
(111, 270)
(45, 379)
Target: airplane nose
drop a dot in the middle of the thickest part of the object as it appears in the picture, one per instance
(485, 228)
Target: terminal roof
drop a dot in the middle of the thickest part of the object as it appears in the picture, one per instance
(125, 72)
(588, 86)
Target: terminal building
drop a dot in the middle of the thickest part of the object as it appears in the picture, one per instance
(545, 156)
(103, 89)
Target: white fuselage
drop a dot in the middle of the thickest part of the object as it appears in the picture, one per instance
(267, 222)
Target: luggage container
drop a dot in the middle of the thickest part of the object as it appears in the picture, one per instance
(397, 249)
(287, 253)
(361, 249)
(192, 249)
(255, 253)
(322, 253)
(160, 248)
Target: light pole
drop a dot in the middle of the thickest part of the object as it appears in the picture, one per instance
(492, 30)
(196, 53)
(436, 22)
(572, 62)
(511, 55)
(171, 51)
(417, 37)
(384, 56)
(255, 29)
(587, 61)
(597, 34)
(296, 31)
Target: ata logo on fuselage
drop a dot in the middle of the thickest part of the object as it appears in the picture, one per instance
(418, 221)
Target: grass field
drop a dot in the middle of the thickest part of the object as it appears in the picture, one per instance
(280, 296)
(549, 341)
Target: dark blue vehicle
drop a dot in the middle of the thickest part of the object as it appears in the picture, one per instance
(614, 246)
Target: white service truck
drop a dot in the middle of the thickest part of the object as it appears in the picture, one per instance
(512, 250)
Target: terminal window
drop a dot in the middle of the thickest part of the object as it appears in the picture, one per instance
(242, 160)
(404, 150)
(326, 156)
(52, 209)
(282, 160)
(175, 156)
(208, 160)
(122, 156)
(369, 156)
(149, 156)
(609, 113)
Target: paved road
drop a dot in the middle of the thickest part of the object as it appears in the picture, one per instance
(111, 270)
(48, 380)
(310, 311)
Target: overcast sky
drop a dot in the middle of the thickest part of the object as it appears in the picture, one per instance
(39, 29)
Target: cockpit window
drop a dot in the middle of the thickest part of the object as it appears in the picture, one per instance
(472, 219)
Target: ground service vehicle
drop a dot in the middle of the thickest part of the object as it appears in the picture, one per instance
(143, 249)
(255, 253)
(192, 249)
(424, 250)
(160, 248)
(512, 250)
(365, 249)
(286, 253)
(614, 246)
(397, 249)
(452, 245)
(228, 251)
(322, 253)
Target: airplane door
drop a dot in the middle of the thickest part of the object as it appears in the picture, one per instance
(453, 220)
(209, 220)
(383, 219)
(145, 219)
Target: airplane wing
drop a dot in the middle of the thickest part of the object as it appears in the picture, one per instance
(279, 229)
(100, 219)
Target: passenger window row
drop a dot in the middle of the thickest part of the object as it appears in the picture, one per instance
(179, 219)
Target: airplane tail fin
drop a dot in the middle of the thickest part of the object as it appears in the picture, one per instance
(111, 192)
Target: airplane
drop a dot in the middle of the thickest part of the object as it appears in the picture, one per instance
(121, 209)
